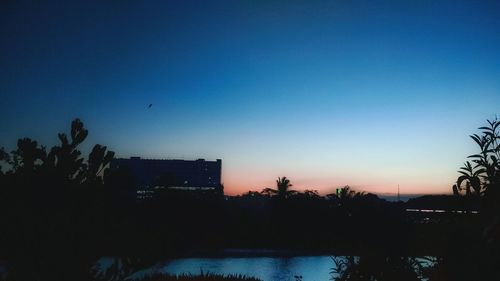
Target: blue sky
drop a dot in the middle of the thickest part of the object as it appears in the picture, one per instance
(367, 93)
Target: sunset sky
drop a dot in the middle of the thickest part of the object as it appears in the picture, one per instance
(370, 94)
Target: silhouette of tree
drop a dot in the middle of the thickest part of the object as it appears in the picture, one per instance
(282, 190)
(268, 192)
(377, 267)
(471, 178)
(346, 193)
(98, 159)
(253, 194)
(221, 189)
(311, 193)
(25, 157)
(4, 157)
(484, 176)
(55, 202)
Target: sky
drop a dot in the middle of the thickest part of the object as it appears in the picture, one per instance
(370, 94)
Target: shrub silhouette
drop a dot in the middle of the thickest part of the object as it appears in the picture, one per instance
(54, 205)
(483, 176)
(378, 267)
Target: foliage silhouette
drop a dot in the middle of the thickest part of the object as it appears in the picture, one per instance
(471, 179)
(376, 268)
(201, 277)
(481, 178)
(53, 204)
(282, 190)
(56, 203)
(484, 176)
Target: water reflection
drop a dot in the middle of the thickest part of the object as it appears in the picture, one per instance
(311, 268)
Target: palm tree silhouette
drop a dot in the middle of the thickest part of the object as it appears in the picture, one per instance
(282, 190)
(346, 193)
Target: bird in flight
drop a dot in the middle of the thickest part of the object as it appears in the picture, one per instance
(150, 105)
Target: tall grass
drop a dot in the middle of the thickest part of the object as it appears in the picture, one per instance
(199, 277)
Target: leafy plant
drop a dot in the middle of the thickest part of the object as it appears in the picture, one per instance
(483, 173)
(376, 268)
(52, 201)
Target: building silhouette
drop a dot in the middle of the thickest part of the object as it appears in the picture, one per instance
(153, 174)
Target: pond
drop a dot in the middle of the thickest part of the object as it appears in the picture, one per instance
(311, 268)
(274, 268)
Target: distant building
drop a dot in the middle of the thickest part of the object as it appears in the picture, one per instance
(151, 174)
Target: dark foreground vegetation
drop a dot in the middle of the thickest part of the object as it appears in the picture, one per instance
(199, 277)
(60, 213)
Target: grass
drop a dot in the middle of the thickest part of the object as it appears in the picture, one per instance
(199, 277)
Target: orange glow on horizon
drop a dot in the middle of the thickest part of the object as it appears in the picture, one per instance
(238, 185)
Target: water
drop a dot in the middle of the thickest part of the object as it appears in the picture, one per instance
(311, 268)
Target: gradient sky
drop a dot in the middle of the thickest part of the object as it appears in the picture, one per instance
(366, 93)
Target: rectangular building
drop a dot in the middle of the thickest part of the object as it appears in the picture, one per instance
(181, 174)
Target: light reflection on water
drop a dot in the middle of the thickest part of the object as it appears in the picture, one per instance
(311, 268)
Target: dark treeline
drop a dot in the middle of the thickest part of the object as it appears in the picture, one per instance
(61, 212)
